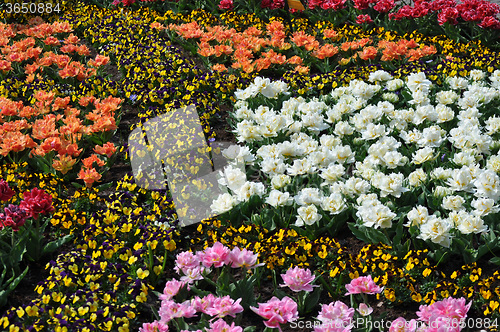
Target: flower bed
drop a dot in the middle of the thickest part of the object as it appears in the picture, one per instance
(374, 140)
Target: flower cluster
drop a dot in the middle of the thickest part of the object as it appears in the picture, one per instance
(255, 50)
(362, 127)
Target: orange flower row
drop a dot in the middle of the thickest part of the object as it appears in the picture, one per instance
(256, 50)
(24, 49)
(52, 125)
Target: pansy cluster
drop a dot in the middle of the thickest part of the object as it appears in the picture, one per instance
(411, 278)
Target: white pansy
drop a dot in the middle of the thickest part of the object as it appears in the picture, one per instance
(391, 184)
(273, 166)
(249, 189)
(460, 179)
(493, 163)
(390, 97)
(379, 76)
(247, 132)
(441, 173)
(301, 166)
(444, 113)
(484, 206)
(487, 185)
(422, 155)
(417, 216)
(463, 158)
(378, 216)
(334, 203)
(417, 177)
(343, 154)
(329, 141)
(394, 84)
(441, 192)
(418, 81)
(343, 128)
(280, 180)
(472, 225)
(457, 83)
(308, 196)
(373, 131)
(422, 113)
(477, 75)
(447, 97)
(277, 198)
(232, 177)
(222, 203)
(393, 159)
(492, 124)
(356, 186)
(288, 149)
(453, 202)
(307, 215)
(432, 136)
(332, 173)
(436, 230)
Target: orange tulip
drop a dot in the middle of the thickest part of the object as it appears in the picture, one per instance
(63, 163)
(89, 176)
(107, 149)
(44, 128)
(89, 161)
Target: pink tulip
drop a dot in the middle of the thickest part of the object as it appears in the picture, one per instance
(171, 289)
(217, 255)
(224, 306)
(243, 258)
(298, 279)
(155, 326)
(336, 314)
(221, 326)
(186, 260)
(362, 285)
(170, 309)
(448, 310)
(402, 325)
(202, 304)
(277, 311)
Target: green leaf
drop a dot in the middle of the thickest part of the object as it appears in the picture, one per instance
(495, 260)
(11, 285)
(312, 299)
(244, 289)
(358, 233)
(250, 329)
(54, 245)
(104, 186)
